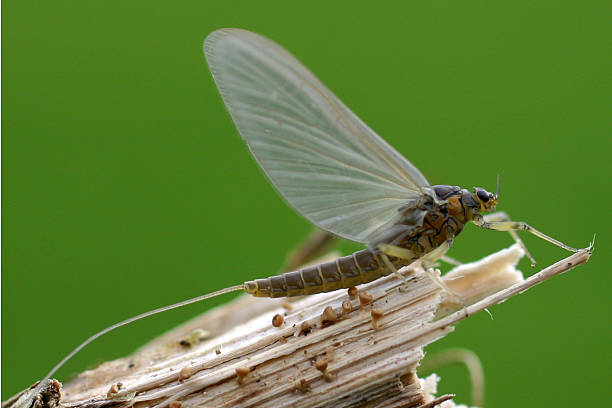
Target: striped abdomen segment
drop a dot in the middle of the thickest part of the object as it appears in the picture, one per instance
(361, 267)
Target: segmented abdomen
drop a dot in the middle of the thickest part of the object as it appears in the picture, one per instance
(439, 225)
(351, 270)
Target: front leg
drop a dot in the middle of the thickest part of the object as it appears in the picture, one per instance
(519, 225)
(502, 216)
(450, 260)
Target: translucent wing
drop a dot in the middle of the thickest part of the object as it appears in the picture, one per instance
(328, 164)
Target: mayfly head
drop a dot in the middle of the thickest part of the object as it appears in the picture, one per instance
(487, 200)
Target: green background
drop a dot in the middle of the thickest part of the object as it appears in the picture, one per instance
(126, 187)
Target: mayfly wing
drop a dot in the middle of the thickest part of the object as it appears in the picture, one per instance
(328, 164)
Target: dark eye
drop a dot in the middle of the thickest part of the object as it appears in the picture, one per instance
(484, 197)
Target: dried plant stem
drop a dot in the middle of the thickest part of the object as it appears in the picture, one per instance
(359, 354)
(555, 269)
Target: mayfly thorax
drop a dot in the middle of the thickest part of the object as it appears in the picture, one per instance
(336, 172)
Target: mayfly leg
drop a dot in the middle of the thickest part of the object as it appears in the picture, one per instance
(502, 216)
(426, 261)
(512, 226)
(387, 250)
(450, 260)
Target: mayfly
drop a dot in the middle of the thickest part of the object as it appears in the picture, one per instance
(336, 172)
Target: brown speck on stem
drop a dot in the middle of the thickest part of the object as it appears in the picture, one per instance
(329, 315)
(217, 351)
(352, 292)
(184, 374)
(321, 365)
(301, 386)
(174, 404)
(365, 298)
(286, 305)
(241, 373)
(277, 320)
(376, 315)
(305, 328)
(330, 353)
(347, 306)
(114, 389)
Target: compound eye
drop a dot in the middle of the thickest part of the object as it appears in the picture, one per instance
(483, 195)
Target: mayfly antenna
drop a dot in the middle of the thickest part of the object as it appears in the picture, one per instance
(498, 183)
(130, 320)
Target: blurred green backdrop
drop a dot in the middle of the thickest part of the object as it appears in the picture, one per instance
(126, 187)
